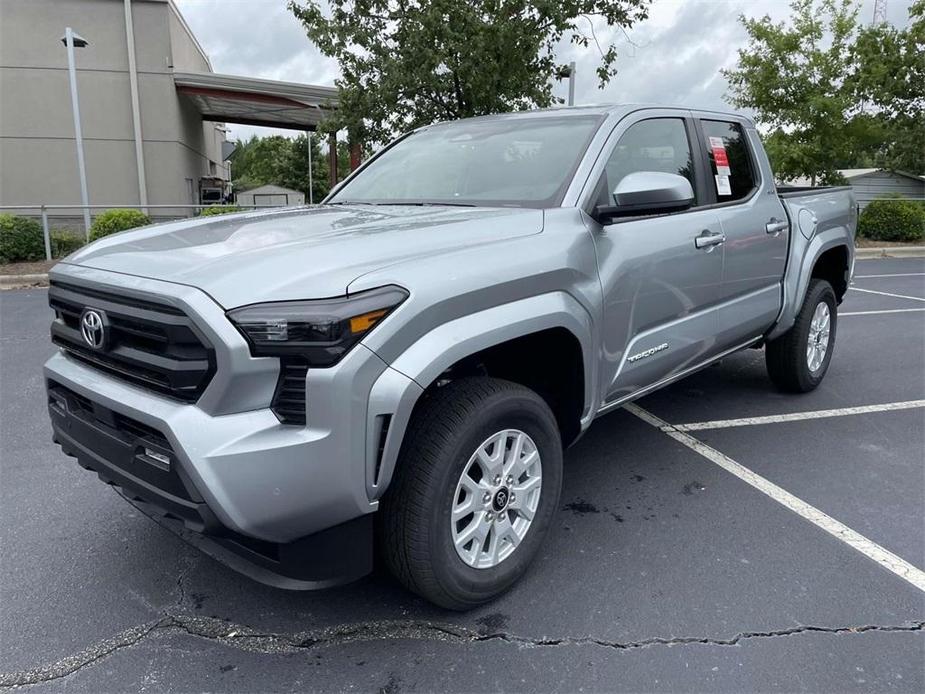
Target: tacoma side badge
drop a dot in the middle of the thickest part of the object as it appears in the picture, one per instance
(648, 353)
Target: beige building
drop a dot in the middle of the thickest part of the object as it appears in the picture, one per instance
(159, 149)
(270, 196)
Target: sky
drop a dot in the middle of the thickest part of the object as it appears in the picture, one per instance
(673, 57)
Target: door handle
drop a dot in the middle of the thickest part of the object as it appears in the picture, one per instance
(775, 226)
(708, 239)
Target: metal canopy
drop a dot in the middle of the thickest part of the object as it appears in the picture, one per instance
(250, 101)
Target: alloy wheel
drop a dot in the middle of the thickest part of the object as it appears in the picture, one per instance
(818, 342)
(496, 498)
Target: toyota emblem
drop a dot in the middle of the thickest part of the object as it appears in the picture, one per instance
(93, 327)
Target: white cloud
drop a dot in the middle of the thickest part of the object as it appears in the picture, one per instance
(674, 57)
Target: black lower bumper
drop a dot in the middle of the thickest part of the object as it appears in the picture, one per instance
(140, 461)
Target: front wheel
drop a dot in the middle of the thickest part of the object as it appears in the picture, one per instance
(798, 359)
(475, 490)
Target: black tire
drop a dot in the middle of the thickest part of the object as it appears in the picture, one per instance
(415, 530)
(785, 357)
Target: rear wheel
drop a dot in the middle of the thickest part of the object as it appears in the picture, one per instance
(798, 359)
(475, 491)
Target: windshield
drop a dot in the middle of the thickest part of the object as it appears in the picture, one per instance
(519, 162)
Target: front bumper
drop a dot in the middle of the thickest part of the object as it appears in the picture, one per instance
(142, 464)
(294, 501)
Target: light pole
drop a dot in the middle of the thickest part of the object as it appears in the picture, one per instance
(72, 40)
(571, 83)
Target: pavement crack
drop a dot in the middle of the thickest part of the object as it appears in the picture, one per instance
(270, 643)
(85, 658)
(181, 578)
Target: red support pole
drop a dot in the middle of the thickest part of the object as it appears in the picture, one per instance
(356, 155)
(332, 159)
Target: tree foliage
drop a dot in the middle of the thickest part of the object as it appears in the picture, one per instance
(406, 63)
(891, 65)
(793, 75)
(283, 161)
(890, 78)
(832, 94)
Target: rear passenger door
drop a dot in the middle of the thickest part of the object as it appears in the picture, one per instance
(753, 219)
(659, 285)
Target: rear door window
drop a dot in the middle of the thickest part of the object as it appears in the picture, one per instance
(730, 162)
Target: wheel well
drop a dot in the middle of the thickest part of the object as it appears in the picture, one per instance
(548, 362)
(832, 266)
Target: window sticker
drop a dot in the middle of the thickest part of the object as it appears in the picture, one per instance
(722, 185)
(720, 158)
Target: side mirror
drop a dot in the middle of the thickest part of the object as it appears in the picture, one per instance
(648, 192)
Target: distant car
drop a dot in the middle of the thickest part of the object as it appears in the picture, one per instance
(427, 342)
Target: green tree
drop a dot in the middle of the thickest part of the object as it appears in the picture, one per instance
(281, 161)
(406, 63)
(889, 79)
(794, 76)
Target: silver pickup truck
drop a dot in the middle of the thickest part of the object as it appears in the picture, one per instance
(403, 365)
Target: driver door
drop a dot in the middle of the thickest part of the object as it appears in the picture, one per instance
(660, 286)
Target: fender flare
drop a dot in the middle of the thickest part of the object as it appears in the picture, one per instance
(796, 281)
(395, 393)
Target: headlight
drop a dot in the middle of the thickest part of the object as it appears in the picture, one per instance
(320, 331)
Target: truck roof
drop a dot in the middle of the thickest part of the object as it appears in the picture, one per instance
(613, 109)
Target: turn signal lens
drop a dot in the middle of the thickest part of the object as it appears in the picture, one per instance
(360, 324)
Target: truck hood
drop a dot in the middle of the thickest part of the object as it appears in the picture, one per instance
(304, 253)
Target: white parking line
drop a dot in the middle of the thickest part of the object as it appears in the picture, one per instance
(838, 530)
(895, 296)
(894, 274)
(798, 416)
(888, 310)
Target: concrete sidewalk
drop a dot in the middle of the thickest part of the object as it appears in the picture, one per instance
(891, 252)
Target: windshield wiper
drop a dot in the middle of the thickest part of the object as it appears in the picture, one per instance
(403, 204)
(423, 204)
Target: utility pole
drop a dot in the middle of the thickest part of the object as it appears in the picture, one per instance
(879, 12)
(136, 109)
(71, 39)
(571, 83)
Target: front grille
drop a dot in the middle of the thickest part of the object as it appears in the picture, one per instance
(289, 399)
(151, 344)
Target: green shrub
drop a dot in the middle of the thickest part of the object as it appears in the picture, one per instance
(218, 209)
(65, 241)
(21, 239)
(112, 221)
(892, 219)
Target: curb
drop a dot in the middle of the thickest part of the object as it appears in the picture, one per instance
(891, 252)
(23, 281)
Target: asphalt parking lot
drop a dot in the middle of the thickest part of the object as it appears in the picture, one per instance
(771, 554)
